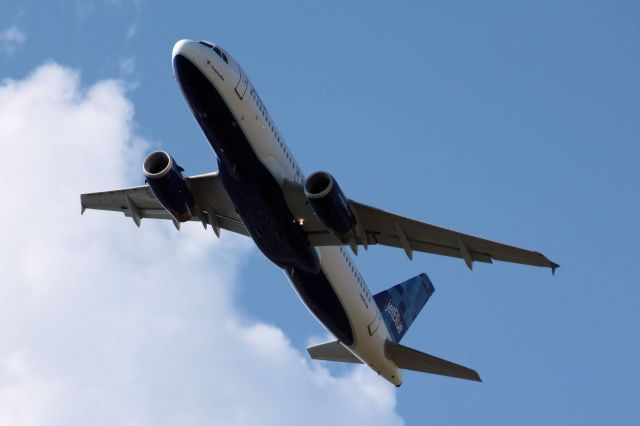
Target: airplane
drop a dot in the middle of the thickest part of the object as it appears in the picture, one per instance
(306, 226)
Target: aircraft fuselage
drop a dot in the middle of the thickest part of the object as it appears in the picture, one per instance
(254, 162)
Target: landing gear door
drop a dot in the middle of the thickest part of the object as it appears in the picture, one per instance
(241, 87)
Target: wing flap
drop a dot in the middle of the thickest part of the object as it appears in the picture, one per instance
(210, 195)
(433, 239)
(394, 241)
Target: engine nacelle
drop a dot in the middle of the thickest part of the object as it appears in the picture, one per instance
(330, 205)
(165, 179)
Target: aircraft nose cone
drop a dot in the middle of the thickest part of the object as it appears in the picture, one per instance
(182, 47)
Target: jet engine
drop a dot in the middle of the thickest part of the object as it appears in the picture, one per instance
(330, 205)
(165, 179)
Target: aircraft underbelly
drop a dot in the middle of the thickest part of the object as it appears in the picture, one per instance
(253, 190)
(259, 201)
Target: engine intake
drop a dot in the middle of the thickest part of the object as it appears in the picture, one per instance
(330, 205)
(165, 179)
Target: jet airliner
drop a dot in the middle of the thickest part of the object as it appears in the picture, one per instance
(304, 225)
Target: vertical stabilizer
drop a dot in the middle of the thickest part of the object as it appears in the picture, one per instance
(401, 304)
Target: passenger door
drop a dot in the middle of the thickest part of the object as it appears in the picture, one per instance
(243, 82)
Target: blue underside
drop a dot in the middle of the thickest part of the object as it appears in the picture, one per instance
(260, 201)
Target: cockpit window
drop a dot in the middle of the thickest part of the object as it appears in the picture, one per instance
(215, 49)
(221, 54)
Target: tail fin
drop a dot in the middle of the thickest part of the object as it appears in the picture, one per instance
(401, 304)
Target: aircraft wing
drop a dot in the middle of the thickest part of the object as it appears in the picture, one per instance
(139, 203)
(377, 226)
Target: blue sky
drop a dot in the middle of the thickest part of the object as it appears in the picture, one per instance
(515, 121)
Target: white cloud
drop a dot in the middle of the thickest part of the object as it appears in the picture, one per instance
(104, 323)
(127, 65)
(11, 39)
(131, 32)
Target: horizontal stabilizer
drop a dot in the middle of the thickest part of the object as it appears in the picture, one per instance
(411, 359)
(332, 351)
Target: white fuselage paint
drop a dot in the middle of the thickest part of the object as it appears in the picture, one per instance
(370, 331)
